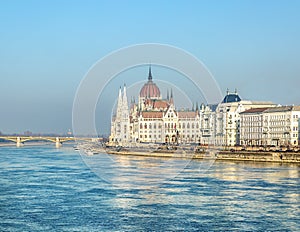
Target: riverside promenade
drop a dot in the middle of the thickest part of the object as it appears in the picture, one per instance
(257, 156)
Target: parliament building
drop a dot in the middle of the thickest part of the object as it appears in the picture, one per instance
(232, 122)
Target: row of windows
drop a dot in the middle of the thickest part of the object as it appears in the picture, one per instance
(169, 125)
(277, 117)
(168, 130)
(277, 135)
(277, 123)
(279, 129)
(259, 124)
(150, 132)
(252, 129)
(252, 118)
(146, 126)
(150, 136)
(188, 136)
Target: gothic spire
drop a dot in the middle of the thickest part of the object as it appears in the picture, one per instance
(171, 98)
(197, 107)
(119, 104)
(124, 99)
(150, 74)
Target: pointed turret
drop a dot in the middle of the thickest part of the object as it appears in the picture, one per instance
(168, 97)
(119, 104)
(171, 98)
(150, 74)
(124, 102)
(197, 107)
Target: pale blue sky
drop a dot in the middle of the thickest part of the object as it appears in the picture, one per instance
(46, 47)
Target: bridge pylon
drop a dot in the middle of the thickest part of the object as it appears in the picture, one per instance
(58, 144)
(19, 142)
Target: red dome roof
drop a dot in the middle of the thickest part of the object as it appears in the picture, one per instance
(150, 89)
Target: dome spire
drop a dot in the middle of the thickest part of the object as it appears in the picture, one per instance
(150, 74)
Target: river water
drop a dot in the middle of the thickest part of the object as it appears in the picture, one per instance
(48, 189)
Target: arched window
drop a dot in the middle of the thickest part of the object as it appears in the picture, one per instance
(188, 125)
(145, 126)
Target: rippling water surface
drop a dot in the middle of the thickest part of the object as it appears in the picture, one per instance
(48, 189)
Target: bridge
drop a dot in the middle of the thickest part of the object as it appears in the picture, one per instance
(20, 140)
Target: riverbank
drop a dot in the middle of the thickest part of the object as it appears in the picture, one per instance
(278, 157)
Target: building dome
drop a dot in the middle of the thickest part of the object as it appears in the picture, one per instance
(150, 89)
(231, 97)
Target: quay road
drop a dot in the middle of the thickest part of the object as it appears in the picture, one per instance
(20, 140)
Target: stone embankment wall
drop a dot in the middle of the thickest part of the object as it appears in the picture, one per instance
(282, 157)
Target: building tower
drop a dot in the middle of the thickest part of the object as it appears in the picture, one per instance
(120, 123)
(149, 90)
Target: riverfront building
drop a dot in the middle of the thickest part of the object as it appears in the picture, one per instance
(226, 117)
(232, 122)
(276, 126)
(156, 120)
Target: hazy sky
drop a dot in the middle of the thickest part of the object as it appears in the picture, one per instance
(46, 48)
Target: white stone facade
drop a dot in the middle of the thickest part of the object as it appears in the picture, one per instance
(120, 126)
(155, 120)
(276, 126)
(226, 118)
(230, 123)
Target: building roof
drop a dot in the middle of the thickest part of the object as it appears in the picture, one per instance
(262, 103)
(272, 109)
(255, 110)
(187, 114)
(231, 97)
(161, 104)
(150, 89)
(283, 109)
(152, 114)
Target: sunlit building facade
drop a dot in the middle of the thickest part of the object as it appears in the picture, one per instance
(153, 119)
(226, 118)
(276, 126)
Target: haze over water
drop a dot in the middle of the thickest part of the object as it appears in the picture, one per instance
(48, 189)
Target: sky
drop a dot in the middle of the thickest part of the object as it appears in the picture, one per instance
(47, 47)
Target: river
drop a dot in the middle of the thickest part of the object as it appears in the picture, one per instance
(47, 189)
